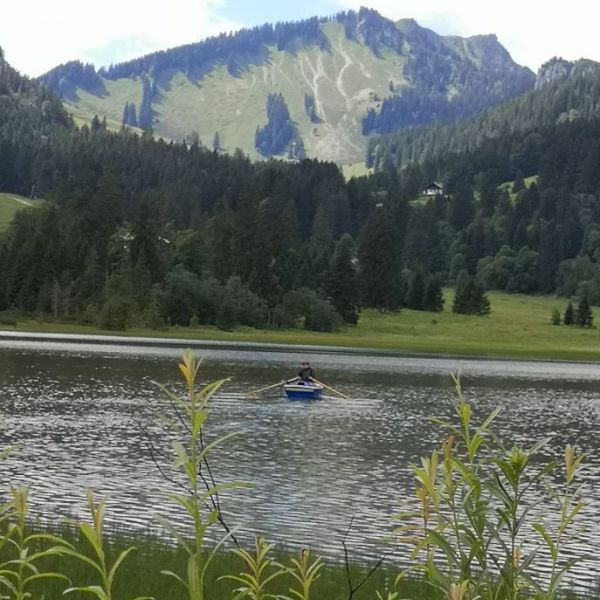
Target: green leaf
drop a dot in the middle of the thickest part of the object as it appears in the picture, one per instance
(439, 540)
(173, 531)
(175, 576)
(539, 445)
(38, 576)
(90, 589)
(207, 449)
(83, 558)
(92, 536)
(117, 564)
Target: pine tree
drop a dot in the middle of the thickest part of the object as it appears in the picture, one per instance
(569, 316)
(415, 296)
(470, 298)
(462, 207)
(341, 284)
(146, 115)
(584, 316)
(126, 114)
(434, 296)
(379, 274)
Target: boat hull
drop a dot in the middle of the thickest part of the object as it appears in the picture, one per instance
(297, 391)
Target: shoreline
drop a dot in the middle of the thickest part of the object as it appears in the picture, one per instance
(518, 328)
(134, 339)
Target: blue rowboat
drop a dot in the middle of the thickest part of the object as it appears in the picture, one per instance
(302, 391)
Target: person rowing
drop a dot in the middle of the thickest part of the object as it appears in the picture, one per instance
(305, 374)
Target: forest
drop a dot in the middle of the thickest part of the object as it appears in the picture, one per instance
(137, 231)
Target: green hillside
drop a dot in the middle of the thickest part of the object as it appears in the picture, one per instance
(345, 83)
(331, 74)
(9, 205)
(561, 96)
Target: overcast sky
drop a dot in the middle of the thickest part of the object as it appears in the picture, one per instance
(39, 34)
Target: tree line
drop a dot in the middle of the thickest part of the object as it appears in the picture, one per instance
(137, 231)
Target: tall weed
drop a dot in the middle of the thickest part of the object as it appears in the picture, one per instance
(479, 507)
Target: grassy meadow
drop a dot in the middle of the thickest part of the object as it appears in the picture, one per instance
(518, 326)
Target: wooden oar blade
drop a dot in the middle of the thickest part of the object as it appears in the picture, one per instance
(269, 387)
(331, 389)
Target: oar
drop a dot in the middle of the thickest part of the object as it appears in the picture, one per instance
(269, 387)
(331, 389)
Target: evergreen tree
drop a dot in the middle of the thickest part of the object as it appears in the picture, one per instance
(146, 115)
(341, 283)
(569, 317)
(462, 207)
(279, 132)
(434, 296)
(470, 298)
(415, 295)
(379, 273)
(129, 115)
(584, 316)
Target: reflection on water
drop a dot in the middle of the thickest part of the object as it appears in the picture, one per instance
(78, 414)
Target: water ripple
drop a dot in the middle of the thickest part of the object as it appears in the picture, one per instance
(80, 415)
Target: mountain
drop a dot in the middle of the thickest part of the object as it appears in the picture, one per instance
(314, 88)
(564, 92)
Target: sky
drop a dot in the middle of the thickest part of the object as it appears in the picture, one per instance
(37, 35)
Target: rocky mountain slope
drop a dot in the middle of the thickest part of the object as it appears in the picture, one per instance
(315, 88)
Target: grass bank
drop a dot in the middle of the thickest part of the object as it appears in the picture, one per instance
(141, 574)
(518, 327)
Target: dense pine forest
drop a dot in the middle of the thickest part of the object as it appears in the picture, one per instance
(137, 231)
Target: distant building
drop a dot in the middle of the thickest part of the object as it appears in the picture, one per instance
(433, 189)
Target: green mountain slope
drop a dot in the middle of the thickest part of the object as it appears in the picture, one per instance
(332, 74)
(564, 92)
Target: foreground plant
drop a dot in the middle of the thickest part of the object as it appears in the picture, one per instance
(200, 498)
(22, 569)
(259, 574)
(478, 504)
(94, 534)
(305, 573)
(569, 505)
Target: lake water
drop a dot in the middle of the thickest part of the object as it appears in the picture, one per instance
(81, 414)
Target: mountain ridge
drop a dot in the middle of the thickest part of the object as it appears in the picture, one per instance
(337, 76)
(564, 91)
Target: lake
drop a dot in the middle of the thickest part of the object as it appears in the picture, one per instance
(82, 413)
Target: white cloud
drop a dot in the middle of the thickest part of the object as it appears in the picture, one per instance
(532, 30)
(38, 34)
